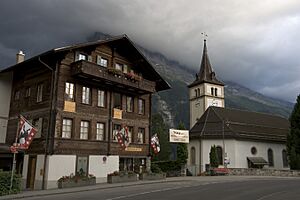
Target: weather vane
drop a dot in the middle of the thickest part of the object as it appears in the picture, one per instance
(205, 36)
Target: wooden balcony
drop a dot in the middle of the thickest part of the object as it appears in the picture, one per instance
(93, 71)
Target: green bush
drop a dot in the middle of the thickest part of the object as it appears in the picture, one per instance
(155, 168)
(5, 183)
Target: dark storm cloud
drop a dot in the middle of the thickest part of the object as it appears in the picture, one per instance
(254, 43)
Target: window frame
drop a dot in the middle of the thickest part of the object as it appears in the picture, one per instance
(143, 106)
(130, 134)
(285, 161)
(99, 129)
(114, 100)
(69, 91)
(99, 103)
(84, 130)
(143, 132)
(27, 92)
(39, 92)
(129, 105)
(67, 125)
(270, 157)
(86, 95)
(113, 138)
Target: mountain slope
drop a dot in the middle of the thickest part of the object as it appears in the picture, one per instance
(173, 104)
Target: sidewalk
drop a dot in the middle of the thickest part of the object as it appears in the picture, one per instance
(98, 186)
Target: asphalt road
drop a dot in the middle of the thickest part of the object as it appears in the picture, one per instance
(224, 189)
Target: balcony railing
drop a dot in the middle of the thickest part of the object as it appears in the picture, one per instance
(88, 69)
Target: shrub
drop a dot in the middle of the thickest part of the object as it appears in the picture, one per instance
(5, 183)
(155, 168)
(75, 178)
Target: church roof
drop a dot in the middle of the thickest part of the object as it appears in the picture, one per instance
(242, 125)
(205, 74)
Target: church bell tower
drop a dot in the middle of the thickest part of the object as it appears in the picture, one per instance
(205, 91)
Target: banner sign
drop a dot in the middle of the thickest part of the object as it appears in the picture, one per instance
(123, 138)
(155, 143)
(179, 136)
(25, 135)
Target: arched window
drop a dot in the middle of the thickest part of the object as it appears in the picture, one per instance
(285, 158)
(212, 91)
(193, 156)
(220, 155)
(199, 92)
(270, 158)
(216, 91)
(196, 94)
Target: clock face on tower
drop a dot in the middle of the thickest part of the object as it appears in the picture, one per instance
(214, 102)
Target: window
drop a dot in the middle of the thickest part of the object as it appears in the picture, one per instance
(100, 131)
(85, 95)
(270, 158)
(220, 155)
(285, 158)
(28, 91)
(116, 129)
(216, 91)
(117, 101)
(125, 69)
(196, 93)
(82, 56)
(141, 135)
(129, 104)
(141, 106)
(69, 91)
(130, 134)
(193, 156)
(17, 95)
(101, 98)
(39, 96)
(82, 165)
(38, 123)
(84, 130)
(102, 61)
(212, 91)
(119, 66)
(67, 128)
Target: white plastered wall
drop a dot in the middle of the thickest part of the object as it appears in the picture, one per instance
(58, 166)
(100, 168)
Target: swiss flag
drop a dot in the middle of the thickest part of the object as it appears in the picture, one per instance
(155, 143)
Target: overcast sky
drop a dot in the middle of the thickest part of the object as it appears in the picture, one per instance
(255, 43)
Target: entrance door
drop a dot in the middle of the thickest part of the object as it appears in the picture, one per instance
(31, 172)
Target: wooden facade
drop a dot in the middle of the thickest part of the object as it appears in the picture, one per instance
(51, 71)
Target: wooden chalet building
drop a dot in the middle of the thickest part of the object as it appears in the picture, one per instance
(78, 97)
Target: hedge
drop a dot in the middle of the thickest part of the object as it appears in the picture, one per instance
(5, 177)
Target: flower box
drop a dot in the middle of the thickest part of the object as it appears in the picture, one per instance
(152, 176)
(122, 177)
(76, 181)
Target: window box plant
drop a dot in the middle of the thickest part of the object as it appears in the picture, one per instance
(121, 177)
(76, 180)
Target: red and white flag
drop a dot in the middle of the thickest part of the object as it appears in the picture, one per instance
(123, 138)
(155, 143)
(26, 134)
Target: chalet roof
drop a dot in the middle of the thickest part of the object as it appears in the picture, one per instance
(116, 41)
(205, 74)
(240, 124)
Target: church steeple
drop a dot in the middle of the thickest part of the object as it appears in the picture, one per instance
(205, 74)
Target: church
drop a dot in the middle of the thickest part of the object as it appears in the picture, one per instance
(243, 139)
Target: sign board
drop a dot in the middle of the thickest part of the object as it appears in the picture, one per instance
(135, 149)
(69, 106)
(179, 136)
(117, 113)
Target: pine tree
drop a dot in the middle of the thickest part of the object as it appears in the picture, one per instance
(182, 152)
(160, 128)
(213, 157)
(293, 138)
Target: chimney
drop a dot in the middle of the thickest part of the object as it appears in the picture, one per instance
(20, 57)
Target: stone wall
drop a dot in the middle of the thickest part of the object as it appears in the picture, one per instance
(262, 172)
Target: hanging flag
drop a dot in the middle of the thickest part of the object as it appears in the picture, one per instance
(26, 134)
(123, 138)
(155, 143)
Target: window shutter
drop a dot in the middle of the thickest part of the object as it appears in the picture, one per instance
(90, 58)
(98, 59)
(76, 56)
(39, 126)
